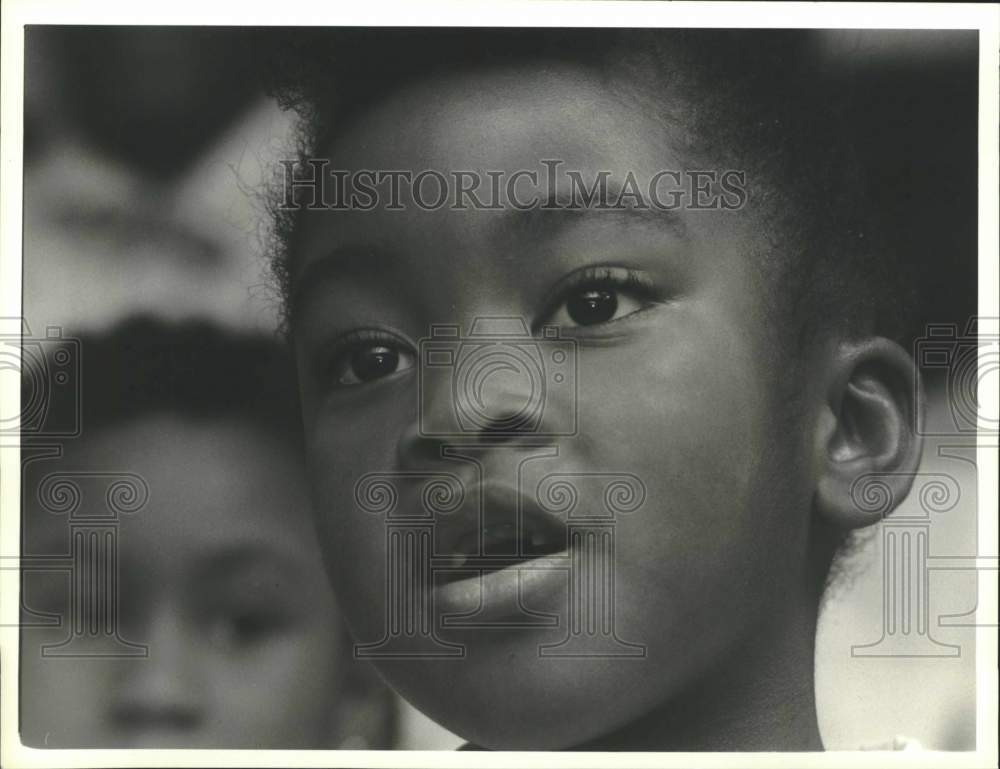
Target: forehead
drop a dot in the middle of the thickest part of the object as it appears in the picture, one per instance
(505, 118)
(212, 484)
(505, 121)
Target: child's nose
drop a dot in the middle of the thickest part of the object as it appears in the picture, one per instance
(496, 406)
(164, 692)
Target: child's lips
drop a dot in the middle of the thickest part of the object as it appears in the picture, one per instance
(520, 531)
(511, 596)
(520, 552)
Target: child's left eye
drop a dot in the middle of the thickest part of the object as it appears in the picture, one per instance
(601, 296)
(241, 629)
(599, 305)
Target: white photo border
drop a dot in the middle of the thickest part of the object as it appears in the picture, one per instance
(477, 13)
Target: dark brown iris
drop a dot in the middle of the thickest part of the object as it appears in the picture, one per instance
(593, 306)
(374, 362)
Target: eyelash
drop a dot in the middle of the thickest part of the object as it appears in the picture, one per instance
(607, 277)
(364, 337)
(621, 279)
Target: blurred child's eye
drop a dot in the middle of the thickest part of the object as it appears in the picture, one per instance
(241, 629)
(365, 356)
(601, 295)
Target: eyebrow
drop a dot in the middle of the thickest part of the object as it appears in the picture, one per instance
(236, 558)
(358, 260)
(351, 259)
(540, 220)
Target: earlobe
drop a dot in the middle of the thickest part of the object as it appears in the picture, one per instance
(869, 428)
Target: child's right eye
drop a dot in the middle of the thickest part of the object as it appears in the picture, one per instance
(241, 629)
(364, 357)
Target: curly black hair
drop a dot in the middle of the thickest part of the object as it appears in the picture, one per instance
(842, 161)
(145, 365)
(860, 155)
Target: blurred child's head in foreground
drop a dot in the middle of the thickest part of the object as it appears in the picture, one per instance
(219, 575)
(743, 366)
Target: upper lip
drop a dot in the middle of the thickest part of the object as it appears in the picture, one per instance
(488, 519)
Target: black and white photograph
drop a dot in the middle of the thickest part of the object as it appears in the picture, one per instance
(500, 384)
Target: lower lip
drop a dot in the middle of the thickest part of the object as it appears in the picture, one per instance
(512, 596)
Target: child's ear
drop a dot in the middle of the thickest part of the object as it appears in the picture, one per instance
(869, 426)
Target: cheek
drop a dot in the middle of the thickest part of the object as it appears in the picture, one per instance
(692, 421)
(684, 406)
(343, 448)
(359, 431)
(286, 695)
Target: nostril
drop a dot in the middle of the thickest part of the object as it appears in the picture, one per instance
(415, 449)
(158, 695)
(504, 424)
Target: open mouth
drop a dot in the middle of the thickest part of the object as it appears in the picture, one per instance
(512, 531)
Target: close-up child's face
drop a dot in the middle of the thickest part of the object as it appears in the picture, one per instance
(676, 390)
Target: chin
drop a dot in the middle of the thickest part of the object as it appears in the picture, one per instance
(506, 702)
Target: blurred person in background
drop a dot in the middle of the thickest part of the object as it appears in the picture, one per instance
(142, 148)
(220, 574)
